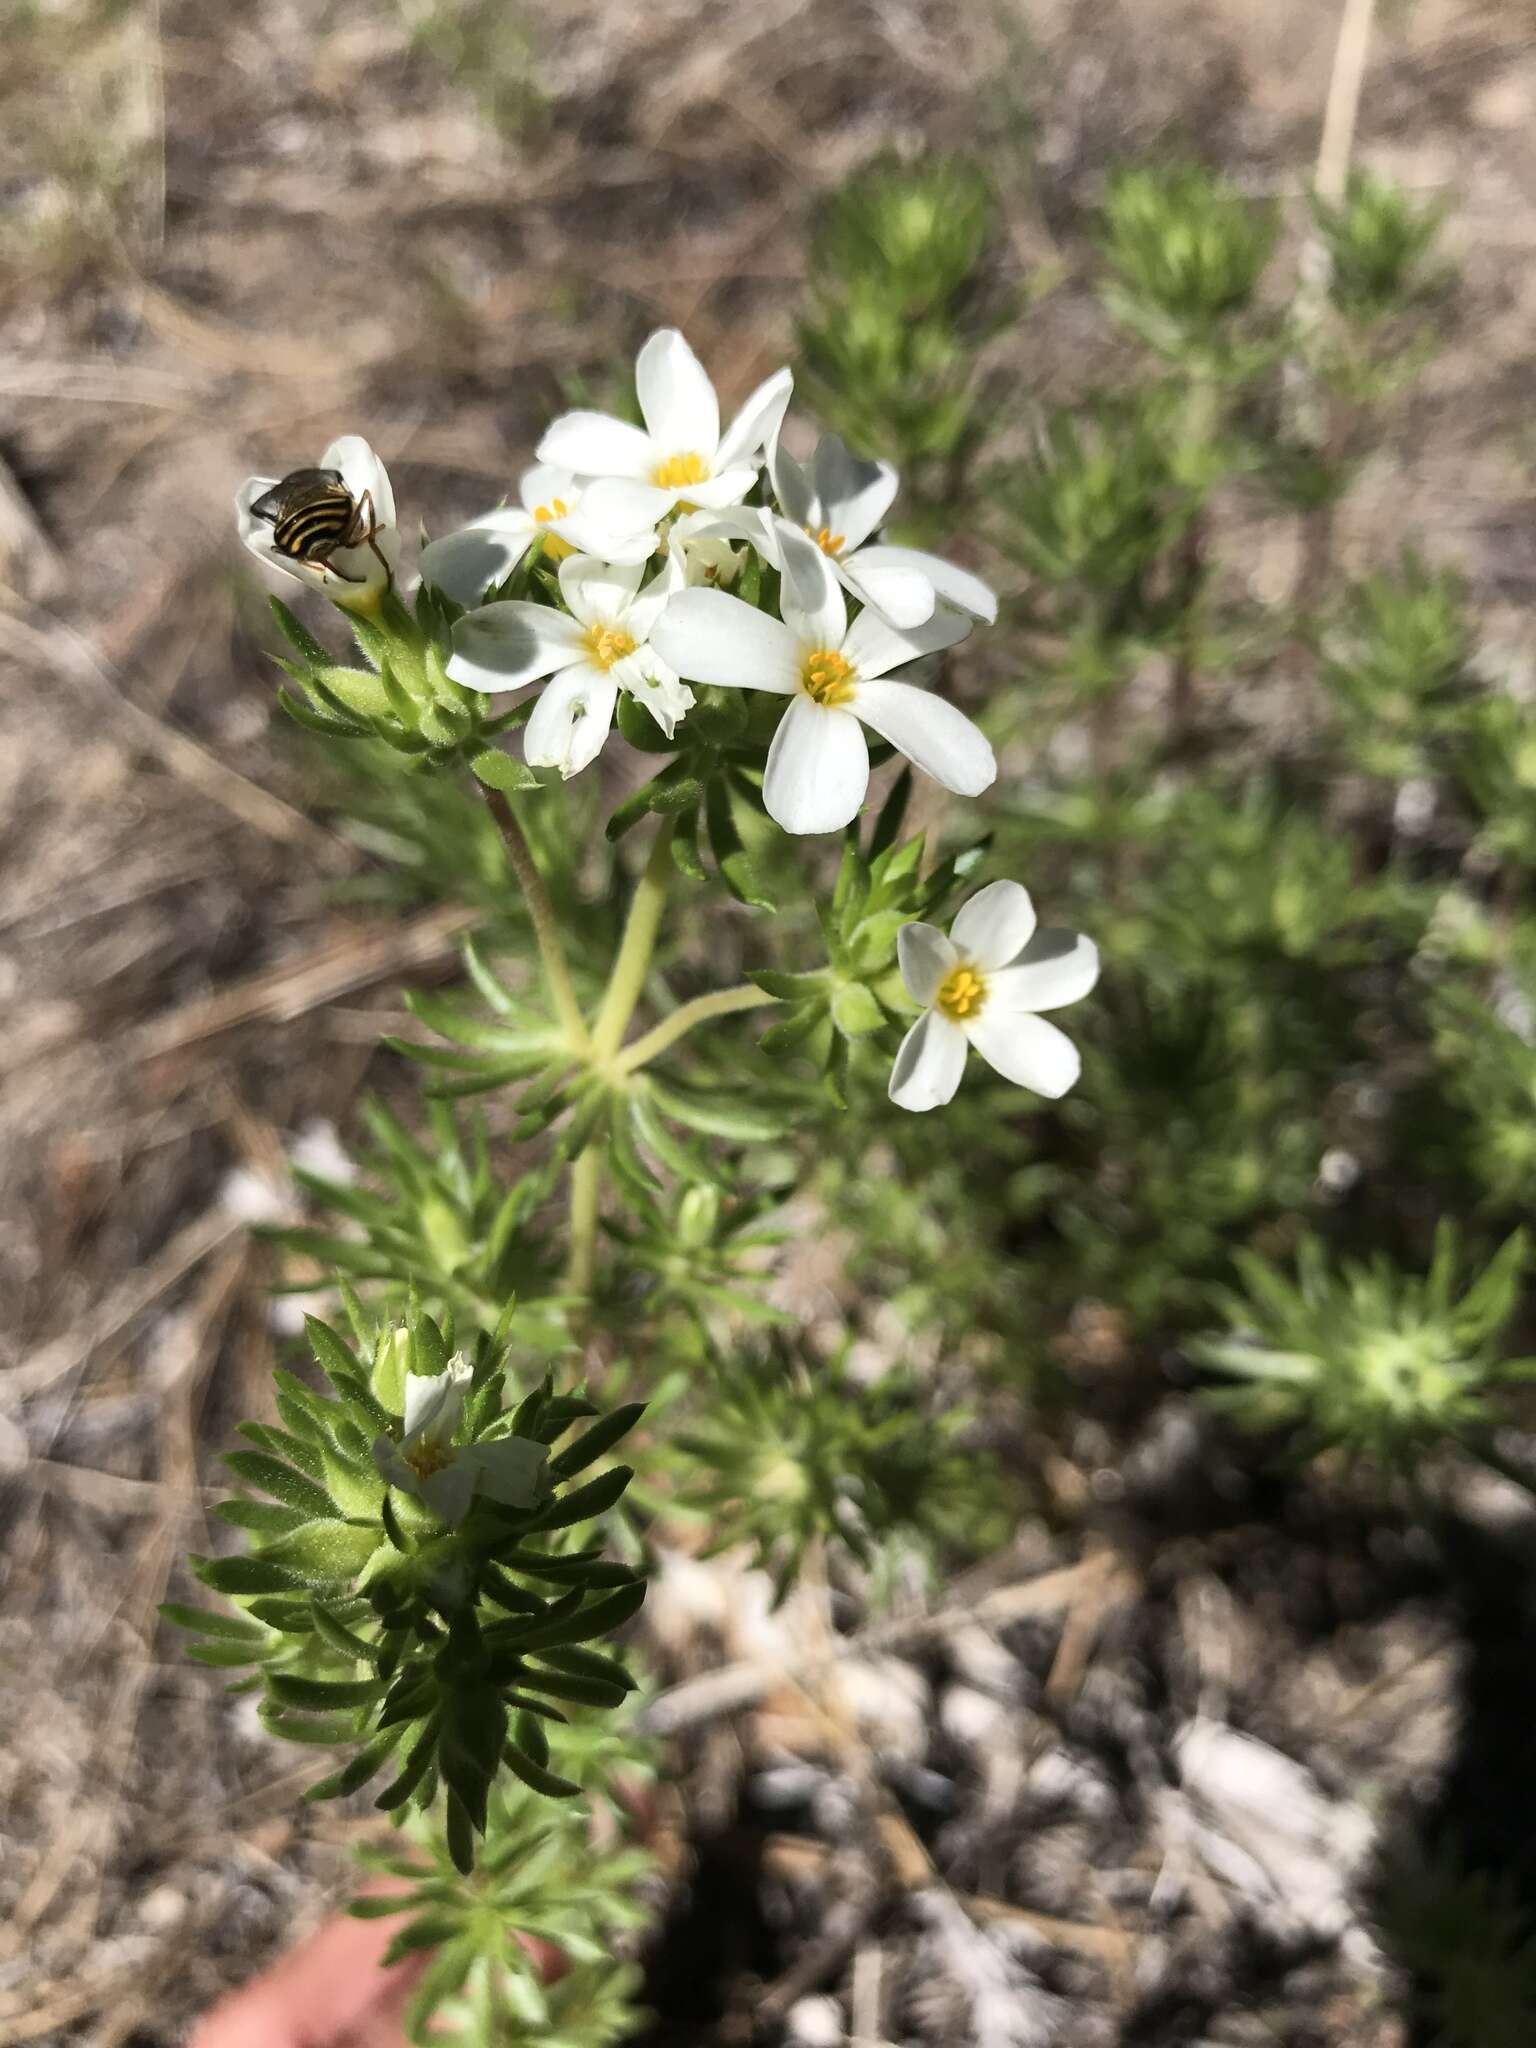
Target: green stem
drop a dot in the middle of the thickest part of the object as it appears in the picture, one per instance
(561, 988)
(722, 1003)
(627, 980)
(586, 1190)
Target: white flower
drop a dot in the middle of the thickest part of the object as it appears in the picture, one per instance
(303, 517)
(485, 551)
(704, 544)
(840, 502)
(982, 986)
(835, 676)
(680, 456)
(589, 656)
(429, 1465)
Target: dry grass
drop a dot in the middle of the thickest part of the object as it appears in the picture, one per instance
(236, 231)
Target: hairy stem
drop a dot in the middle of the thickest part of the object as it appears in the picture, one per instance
(639, 942)
(722, 1003)
(541, 910)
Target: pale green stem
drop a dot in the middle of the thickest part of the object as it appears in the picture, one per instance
(586, 1190)
(723, 1002)
(627, 980)
(545, 929)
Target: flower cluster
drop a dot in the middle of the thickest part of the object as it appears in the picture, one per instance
(668, 566)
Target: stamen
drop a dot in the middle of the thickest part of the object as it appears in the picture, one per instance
(961, 993)
(678, 470)
(830, 543)
(555, 549)
(426, 1458)
(827, 677)
(608, 644)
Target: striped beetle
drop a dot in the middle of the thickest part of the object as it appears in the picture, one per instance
(313, 514)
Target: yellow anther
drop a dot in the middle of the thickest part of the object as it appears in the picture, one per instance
(555, 549)
(426, 1458)
(827, 677)
(608, 644)
(829, 542)
(961, 993)
(678, 470)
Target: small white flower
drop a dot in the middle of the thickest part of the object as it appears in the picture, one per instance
(304, 514)
(706, 545)
(430, 1466)
(835, 676)
(982, 986)
(840, 502)
(465, 563)
(680, 456)
(599, 648)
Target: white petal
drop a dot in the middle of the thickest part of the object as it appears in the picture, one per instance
(791, 486)
(588, 538)
(598, 593)
(926, 956)
(874, 647)
(504, 645)
(621, 505)
(710, 637)
(855, 496)
(253, 488)
(392, 1468)
(1026, 1049)
(463, 565)
(650, 682)
(900, 596)
(929, 1064)
(434, 1402)
(541, 485)
(596, 444)
(818, 769)
(508, 1468)
(448, 1492)
(676, 397)
(812, 602)
(714, 493)
(955, 586)
(1054, 969)
(648, 605)
(996, 924)
(363, 474)
(932, 734)
(757, 423)
(571, 720)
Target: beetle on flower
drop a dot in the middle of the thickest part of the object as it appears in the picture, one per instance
(333, 526)
(445, 1476)
(983, 985)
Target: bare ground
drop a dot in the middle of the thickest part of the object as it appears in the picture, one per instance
(242, 230)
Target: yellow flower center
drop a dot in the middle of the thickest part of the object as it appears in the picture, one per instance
(678, 470)
(827, 678)
(555, 549)
(830, 543)
(961, 993)
(608, 644)
(426, 1458)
